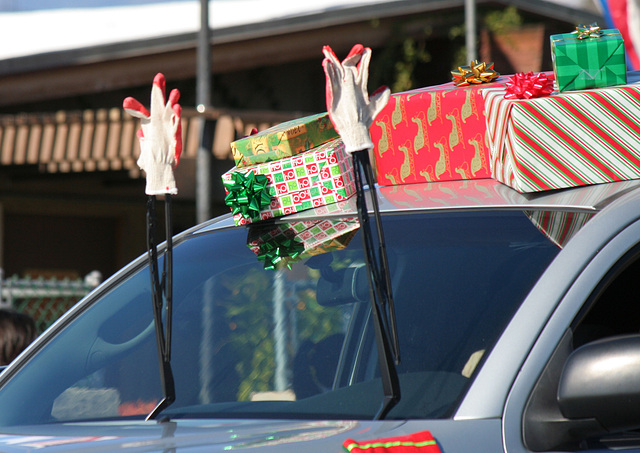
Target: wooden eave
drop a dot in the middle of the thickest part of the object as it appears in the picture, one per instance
(105, 139)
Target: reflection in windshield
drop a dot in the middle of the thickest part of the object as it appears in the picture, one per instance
(293, 341)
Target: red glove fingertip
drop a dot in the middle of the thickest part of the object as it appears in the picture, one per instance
(327, 50)
(160, 82)
(131, 103)
(174, 96)
(355, 50)
(380, 90)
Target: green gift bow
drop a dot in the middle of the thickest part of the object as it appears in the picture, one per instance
(588, 31)
(248, 193)
(275, 252)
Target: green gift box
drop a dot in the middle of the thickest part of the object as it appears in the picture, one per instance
(583, 60)
(284, 140)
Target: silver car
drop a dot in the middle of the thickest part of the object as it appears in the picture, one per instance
(514, 327)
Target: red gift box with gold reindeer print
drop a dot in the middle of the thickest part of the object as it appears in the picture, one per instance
(432, 134)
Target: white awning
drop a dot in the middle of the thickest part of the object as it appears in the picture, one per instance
(35, 31)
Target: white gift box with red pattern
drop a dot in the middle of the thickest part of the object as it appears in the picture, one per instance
(315, 178)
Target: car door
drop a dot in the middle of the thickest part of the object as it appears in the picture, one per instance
(592, 290)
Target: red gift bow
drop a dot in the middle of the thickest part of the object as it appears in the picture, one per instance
(529, 85)
(421, 442)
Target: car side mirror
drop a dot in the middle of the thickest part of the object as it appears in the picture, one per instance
(584, 393)
(601, 381)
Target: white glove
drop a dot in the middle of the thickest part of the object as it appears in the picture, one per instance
(160, 137)
(350, 108)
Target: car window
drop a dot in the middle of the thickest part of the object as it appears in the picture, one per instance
(610, 310)
(294, 341)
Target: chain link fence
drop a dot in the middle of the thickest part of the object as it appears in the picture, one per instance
(45, 300)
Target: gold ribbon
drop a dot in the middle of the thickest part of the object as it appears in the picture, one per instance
(587, 31)
(475, 73)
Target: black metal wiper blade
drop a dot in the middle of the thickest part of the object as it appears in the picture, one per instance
(162, 296)
(382, 306)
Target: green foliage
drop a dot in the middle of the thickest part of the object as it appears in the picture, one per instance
(248, 311)
(315, 322)
(499, 21)
(457, 32)
(496, 21)
(460, 57)
(396, 62)
(249, 317)
(412, 54)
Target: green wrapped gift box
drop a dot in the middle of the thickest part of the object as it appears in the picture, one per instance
(284, 140)
(590, 62)
(312, 179)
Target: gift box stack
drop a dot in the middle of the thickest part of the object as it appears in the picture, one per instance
(588, 132)
(291, 167)
(521, 130)
(283, 244)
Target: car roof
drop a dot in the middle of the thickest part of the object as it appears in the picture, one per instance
(474, 194)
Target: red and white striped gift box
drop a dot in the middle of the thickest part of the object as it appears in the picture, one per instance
(564, 140)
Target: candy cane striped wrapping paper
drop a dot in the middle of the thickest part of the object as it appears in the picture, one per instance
(559, 226)
(564, 140)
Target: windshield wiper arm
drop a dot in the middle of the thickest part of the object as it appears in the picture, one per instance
(162, 295)
(382, 307)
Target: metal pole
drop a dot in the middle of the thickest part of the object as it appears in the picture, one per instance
(203, 99)
(279, 333)
(2, 302)
(207, 392)
(470, 29)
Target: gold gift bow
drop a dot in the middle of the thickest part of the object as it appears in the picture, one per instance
(587, 31)
(476, 72)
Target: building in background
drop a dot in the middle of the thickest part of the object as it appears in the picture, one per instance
(71, 196)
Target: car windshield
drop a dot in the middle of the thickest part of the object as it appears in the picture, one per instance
(256, 339)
